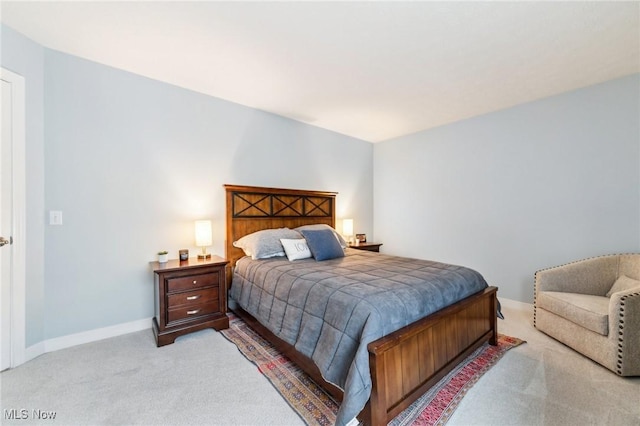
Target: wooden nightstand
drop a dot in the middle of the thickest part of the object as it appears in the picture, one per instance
(367, 246)
(190, 295)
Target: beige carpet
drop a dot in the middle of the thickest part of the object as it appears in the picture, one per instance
(203, 379)
(546, 383)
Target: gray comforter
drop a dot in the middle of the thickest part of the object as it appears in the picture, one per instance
(331, 310)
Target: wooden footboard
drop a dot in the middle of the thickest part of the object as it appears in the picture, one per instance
(406, 363)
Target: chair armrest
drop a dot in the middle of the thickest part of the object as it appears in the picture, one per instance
(624, 323)
(593, 276)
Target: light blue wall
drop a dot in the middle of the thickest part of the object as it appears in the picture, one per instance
(24, 57)
(517, 190)
(132, 162)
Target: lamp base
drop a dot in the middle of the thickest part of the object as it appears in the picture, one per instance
(204, 256)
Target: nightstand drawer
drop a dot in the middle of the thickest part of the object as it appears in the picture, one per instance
(193, 297)
(193, 282)
(193, 311)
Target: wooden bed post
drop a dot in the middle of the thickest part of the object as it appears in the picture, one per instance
(375, 412)
(494, 324)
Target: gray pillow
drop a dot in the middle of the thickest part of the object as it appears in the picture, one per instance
(321, 226)
(623, 283)
(266, 243)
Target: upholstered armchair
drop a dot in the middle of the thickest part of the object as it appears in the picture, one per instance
(593, 306)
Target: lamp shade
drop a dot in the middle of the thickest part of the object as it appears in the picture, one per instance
(347, 227)
(203, 233)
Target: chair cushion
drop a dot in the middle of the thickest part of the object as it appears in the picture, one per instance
(591, 312)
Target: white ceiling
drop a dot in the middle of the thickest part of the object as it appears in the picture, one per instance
(371, 70)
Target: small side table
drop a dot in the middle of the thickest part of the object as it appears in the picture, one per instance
(190, 295)
(367, 246)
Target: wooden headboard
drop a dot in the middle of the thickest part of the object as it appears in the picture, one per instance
(252, 208)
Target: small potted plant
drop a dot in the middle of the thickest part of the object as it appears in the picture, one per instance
(163, 256)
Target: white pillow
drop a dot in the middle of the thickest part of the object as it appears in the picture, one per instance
(296, 249)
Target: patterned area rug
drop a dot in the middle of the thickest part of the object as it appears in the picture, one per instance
(316, 407)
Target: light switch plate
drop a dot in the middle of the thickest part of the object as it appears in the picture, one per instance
(55, 217)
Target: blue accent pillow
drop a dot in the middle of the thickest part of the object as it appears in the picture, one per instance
(323, 244)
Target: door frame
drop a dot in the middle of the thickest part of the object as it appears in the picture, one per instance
(18, 266)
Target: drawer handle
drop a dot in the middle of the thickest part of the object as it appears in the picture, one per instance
(193, 297)
(195, 311)
(195, 282)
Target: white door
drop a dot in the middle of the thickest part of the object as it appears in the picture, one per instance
(5, 227)
(12, 221)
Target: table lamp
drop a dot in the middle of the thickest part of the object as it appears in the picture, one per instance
(347, 229)
(203, 237)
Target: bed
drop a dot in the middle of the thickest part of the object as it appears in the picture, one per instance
(398, 357)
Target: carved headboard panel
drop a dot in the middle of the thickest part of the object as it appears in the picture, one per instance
(252, 208)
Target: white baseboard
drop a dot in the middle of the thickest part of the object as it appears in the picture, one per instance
(33, 351)
(70, 340)
(514, 303)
